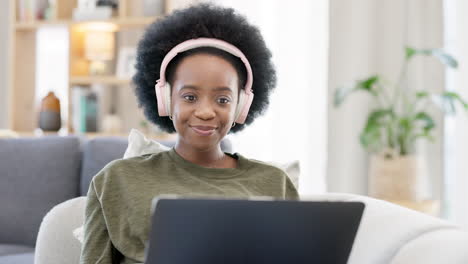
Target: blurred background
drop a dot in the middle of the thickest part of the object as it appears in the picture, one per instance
(366, 89)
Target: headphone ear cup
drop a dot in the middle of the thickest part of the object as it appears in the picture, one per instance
(163, 97)
(240, 104)
(245, 100)
(167, 98)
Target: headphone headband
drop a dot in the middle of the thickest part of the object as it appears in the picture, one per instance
(207, 42)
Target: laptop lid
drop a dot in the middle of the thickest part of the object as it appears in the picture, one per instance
(213, 231)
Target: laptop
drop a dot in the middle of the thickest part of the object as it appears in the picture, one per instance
(230, 231)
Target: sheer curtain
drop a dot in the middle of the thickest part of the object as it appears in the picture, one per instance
(456, 128)
(294, 127)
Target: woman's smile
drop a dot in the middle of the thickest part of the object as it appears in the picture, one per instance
(204, 130)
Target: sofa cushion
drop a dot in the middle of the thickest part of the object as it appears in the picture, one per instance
(24, 258)
(35, 175)
(96, 154)
(10, 249)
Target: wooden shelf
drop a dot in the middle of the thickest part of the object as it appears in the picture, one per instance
(38, 133)
(88, 80)
(33, 25)
(23, 107)
(120, 22)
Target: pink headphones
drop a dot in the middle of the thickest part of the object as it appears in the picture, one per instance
(163, 89)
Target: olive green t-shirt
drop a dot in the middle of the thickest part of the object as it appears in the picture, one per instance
(117, 217)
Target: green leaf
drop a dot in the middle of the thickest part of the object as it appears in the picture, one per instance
(370, 138)
(410, 52)
(446, 101)
(421, 94)
(439, 54)
(340, 95)
(367, 85)
(405, 123)
(455, 97)
(445, 58)
(371, 135)
(428, 122)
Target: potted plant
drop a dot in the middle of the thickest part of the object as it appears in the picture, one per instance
(396, 172)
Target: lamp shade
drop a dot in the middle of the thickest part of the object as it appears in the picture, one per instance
(99, 45)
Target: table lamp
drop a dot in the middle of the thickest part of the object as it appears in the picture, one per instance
(99, 47)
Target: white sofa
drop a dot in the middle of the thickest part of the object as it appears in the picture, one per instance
(388, 234)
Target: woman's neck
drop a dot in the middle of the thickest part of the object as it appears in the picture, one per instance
(211, 158)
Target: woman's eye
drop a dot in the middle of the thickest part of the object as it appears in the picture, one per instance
(189, 98)
(223, 100)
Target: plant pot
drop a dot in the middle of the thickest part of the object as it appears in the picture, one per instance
(398, 178)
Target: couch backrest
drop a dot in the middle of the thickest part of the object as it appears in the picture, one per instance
(100, 151)
(35, 175)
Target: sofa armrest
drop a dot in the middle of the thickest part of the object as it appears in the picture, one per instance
(438, 246)
(389, 233)
(55, 241)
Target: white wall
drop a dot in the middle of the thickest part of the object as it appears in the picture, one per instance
(4, 24)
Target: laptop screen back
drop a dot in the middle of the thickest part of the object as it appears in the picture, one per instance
(209, 231)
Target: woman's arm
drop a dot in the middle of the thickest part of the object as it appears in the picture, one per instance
(97, 247)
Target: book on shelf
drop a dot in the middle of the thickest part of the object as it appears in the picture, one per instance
(84, 110)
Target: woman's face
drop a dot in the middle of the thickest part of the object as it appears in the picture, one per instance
(204, 99)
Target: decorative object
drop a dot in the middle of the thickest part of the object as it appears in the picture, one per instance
(147, 8)
(111, 123)
(110, 3)
(153, 7)
(94, 10)
(126, 62)
(5, 133)
(396, 172)
(49, 115)
(172, 5)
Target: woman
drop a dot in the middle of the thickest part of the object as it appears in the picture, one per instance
(206, 62)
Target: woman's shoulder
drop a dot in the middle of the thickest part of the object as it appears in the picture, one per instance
(270, 167)
(124, 168)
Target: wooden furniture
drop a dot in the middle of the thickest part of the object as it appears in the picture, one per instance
(430, 207)
(22, 109)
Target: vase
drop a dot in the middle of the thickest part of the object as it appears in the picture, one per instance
(398, 178)
(49, 115)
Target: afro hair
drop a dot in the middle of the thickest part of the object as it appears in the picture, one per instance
(202, 21)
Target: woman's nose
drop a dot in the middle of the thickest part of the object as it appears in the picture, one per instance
(205, 111)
